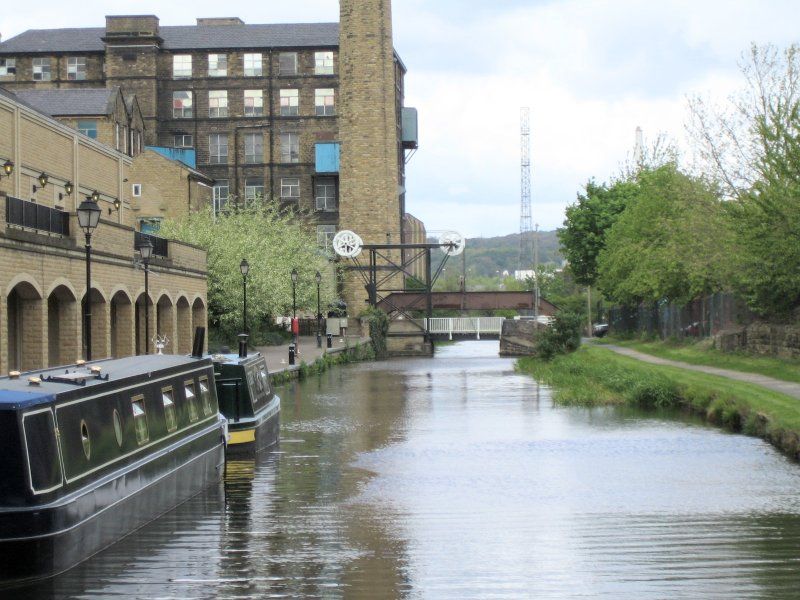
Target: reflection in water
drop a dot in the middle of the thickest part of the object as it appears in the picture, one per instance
(457, 478)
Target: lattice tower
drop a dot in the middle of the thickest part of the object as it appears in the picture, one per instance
(525, 220)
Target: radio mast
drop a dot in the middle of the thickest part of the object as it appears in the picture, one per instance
(525, 221)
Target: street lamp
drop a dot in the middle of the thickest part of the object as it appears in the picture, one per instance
(318, 279)
(146, 251)
(8, 168)
(244, 267)
(294, 303)
(88, 218)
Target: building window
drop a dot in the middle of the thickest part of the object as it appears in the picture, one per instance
(217, 65)
(253, 189)
(88, 127)
(76, 68)
(287, 63)
(136, 190)
(182, 105)
(290, 103)
(252, 65)
(41, 69)
(221, 194)
(290, 188)
(183, 140)
(323, 63)
(323, 100)
(150, 225)
(182, 66)
(8, 66)
(325, 194)
(253, 148)
(325, 235)
(218, 148)
(290, 148)
(218, 103)
(253, 103)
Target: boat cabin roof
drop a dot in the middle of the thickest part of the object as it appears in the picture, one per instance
(19, 393)
(234, 359)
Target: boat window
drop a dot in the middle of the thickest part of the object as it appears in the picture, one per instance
(44, 464)
(205, 396)
(191, 400)
(167, 398)
(265, 380)
(87, 443)
(140, 419)
(118, 428)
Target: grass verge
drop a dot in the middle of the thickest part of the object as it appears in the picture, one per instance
(594, 376)
(700, 353)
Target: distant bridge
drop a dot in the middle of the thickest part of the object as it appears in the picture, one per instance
(465, 301)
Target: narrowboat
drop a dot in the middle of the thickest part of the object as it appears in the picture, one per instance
(247, 401)
(91, 452)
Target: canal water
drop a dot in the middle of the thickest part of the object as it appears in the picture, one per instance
(458, 478)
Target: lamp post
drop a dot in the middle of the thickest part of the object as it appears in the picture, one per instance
(318, 279)
(88, 218)
(294, 302)
(146, 251)
(244, 267)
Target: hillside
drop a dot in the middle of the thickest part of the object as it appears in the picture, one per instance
(487, 256)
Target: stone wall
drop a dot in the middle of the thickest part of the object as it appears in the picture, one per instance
(518, 337)
(782, 340)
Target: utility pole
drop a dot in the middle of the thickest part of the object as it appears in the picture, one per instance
(525, 229)
(536, 272)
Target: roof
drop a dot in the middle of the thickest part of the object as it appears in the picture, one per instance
(181, 37)
(71, 102)
(18, 393)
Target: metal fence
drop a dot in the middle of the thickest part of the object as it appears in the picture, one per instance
(160, 245)
(702, 317)
(35, 216)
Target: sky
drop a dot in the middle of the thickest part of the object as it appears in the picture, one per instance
(590, 71)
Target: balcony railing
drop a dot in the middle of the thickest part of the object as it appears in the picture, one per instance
(160, 245)
(35, 216)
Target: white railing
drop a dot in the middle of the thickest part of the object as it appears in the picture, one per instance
(465, 325)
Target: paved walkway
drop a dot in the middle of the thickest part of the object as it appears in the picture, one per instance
(278, 356)
(784, 387)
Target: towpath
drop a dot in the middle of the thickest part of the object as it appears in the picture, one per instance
(278, 356)
(784, 387)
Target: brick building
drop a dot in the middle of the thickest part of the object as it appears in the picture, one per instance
(42, 261)
(309, 114)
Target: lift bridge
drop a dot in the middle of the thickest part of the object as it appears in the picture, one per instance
(381, 274)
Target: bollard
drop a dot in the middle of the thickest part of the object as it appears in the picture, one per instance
(292, 349)
(330, 340)
(319, 339)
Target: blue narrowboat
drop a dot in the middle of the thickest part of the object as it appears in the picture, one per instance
(247, 401)
(91, 452)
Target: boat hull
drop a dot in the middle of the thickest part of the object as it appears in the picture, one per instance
(41, 541)
(249, 436)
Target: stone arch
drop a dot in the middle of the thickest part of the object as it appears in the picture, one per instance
(63, 325)
(183, 318)
(121, 316)
(24, 278)
(62, 283)
(165, 322)
(100, 324)
(200, 317)
(26, 325)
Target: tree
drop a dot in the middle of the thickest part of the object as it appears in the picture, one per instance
(586, 225)
(729, 138)
(672, 242)
(274, 243)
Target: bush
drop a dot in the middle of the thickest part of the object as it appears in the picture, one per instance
(562, 337)
(378, 329)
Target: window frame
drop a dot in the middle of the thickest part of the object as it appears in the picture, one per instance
(186, 112)
(321, 60)
(256, 109)
(293, 149)
(136, 190)
(251, 189)
(217, 70)
(174, 410)
(44, 68)
(287, 188)
(253, 152)
(329, 202)
(205, 395)
(291, 106)
(8, 66)
(183, 144)
(217, 104)
(77, 72)
(218, 200)
(289, 72)
(324, 109)
(139, 398)
(179, 60)
(81, 126)
(218, 158)
(329, 231)
(191, 402)
(257, 65)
